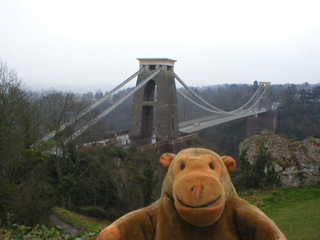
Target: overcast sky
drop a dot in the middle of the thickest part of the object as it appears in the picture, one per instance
(89, 45)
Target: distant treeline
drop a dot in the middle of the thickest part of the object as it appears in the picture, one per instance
(297, 119)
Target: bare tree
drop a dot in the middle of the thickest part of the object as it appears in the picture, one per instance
(62, 109)
(33, 118)
(12, 104)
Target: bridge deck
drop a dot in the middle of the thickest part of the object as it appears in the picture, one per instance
(202, 123)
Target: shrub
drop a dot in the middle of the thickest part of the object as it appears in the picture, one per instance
(26, 192)
(32, 204)
(42, 233)
(260, 174)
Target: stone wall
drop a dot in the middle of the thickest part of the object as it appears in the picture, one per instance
(296, 162)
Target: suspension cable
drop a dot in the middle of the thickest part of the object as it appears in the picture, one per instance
(196, 95)
(91, 107)
(226, 114)
(211, 106)
(107, 111)
(247, 103)
(198, 104)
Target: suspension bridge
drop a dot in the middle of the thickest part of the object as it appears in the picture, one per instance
(160, 108)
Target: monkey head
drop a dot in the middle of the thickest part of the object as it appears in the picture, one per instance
(198, 182)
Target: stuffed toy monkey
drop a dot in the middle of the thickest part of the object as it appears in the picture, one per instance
(198, 201)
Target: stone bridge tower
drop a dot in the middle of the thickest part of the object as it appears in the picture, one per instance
(264, 121)
(154, 108)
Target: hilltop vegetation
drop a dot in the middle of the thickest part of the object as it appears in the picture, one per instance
(105, 181)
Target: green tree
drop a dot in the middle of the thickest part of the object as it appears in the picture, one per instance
(12, 103)
(260, 173)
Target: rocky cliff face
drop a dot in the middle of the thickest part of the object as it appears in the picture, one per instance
(297, 163)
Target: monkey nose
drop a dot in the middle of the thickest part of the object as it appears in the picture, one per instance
(196, 190)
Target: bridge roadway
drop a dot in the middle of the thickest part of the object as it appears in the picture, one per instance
(202, 123)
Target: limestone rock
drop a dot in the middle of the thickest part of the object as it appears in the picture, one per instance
(297, 163)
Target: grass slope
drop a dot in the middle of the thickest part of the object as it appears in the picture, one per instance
(81, 222)
(296, 211)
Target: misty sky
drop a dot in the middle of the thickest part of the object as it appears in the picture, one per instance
(89, 45)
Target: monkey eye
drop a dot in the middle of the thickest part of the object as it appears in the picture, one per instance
(211, 166)
(182, 166)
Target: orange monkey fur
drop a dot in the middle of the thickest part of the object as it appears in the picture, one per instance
(198, 201)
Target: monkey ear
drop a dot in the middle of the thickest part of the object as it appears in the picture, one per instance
(230, 163)
(166, 159)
